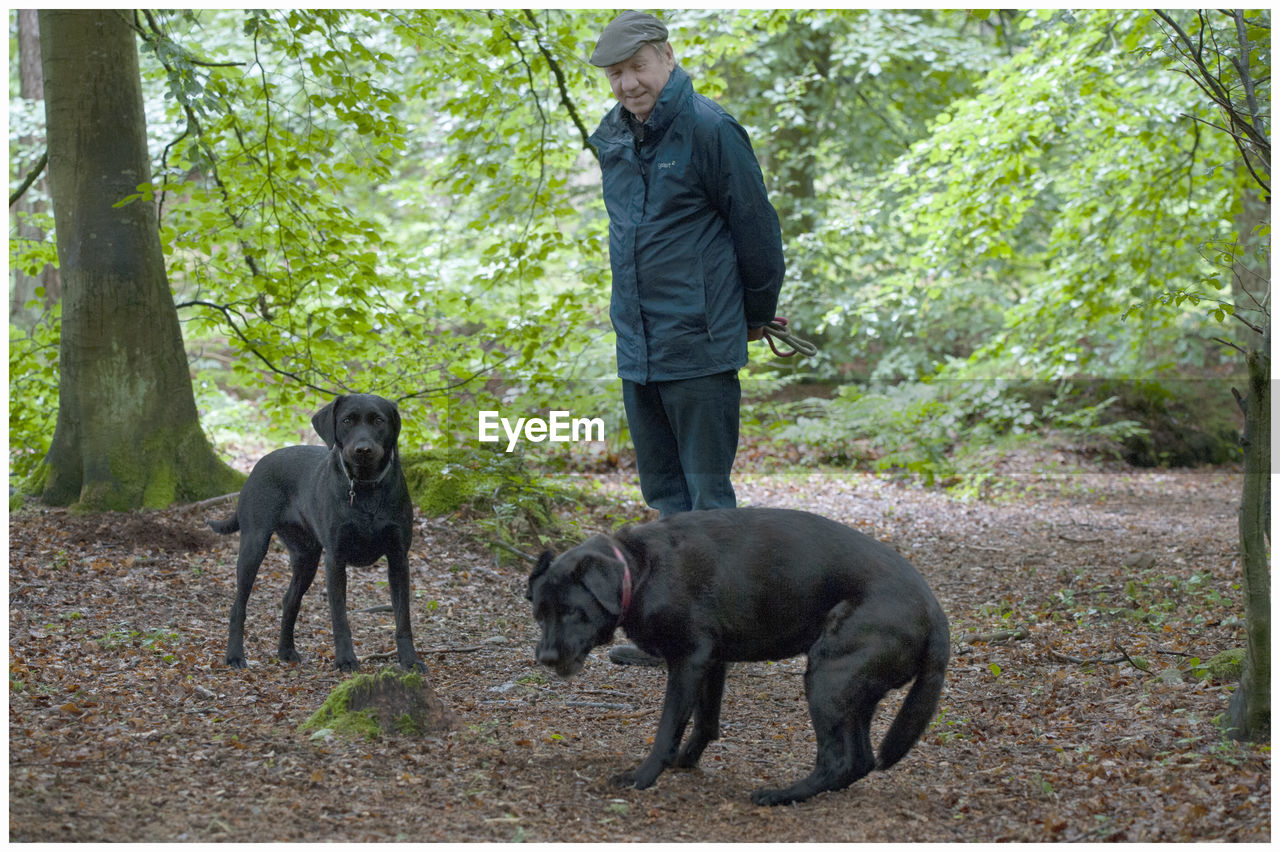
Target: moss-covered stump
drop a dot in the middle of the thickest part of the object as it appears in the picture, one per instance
(1224, 667)
(390, 702)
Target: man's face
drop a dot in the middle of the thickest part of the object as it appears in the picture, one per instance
(637, 82)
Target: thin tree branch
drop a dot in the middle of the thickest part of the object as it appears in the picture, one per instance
(226, 312)
(1247, 128)
(558, 73)
(36, 171)
(458, 384)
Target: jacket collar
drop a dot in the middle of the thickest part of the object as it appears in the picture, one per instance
(670, 101)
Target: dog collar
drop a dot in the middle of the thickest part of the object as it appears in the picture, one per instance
(351, 480)
(626, 582)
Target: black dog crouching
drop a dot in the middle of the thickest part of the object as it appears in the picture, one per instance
(704, 589)
(348, 499)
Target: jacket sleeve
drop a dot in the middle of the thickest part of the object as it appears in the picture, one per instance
(736, 187)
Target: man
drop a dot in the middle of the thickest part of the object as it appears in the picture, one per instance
(696, 252)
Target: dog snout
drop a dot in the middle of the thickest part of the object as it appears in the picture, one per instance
(548, 656)
(364, 456)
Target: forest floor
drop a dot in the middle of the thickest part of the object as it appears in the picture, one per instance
(1079, 603)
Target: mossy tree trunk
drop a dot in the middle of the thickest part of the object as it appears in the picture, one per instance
(1249, 716)
(128, 434)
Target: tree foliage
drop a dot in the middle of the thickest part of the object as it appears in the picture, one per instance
(404, 202)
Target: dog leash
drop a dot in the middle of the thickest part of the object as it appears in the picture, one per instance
(778, 328)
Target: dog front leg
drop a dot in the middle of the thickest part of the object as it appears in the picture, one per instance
(335, 581)
(706, 716)
(683, 678)
(398, 580)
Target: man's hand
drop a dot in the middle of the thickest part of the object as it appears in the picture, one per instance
(755, 333)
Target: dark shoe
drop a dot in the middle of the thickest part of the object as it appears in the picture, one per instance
(630, 655)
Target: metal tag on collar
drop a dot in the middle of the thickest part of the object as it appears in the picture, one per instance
(351, 482)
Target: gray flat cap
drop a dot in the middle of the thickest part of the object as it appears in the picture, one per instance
(626, 34)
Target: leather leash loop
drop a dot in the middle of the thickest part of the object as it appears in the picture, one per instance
(778, 328)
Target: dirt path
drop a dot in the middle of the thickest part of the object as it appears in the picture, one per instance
(125, 726)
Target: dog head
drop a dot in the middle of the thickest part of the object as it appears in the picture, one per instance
(577, 599)
(364, 427)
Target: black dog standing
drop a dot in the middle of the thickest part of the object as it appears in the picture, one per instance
(349, 501)
(704, 589)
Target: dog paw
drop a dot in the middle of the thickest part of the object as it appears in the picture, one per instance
(623, 779)
(686, 761)
(347, 666)
(288, 655)
(773, 797)
(636, 778)
(765, 797)
(414, 665)
(235, 662)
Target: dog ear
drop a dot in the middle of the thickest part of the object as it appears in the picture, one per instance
(393, 416)
(544, 562)
(602, 584)
(325, 422)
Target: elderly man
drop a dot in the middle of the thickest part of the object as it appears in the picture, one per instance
(696, 252)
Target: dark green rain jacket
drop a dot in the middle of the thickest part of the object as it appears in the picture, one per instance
(694, 243)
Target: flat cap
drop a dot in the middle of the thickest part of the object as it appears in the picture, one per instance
(626, 34)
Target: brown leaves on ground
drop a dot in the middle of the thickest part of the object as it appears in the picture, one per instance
(1079, 606)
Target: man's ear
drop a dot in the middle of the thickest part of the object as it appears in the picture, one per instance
(666, 54)
(325, 421)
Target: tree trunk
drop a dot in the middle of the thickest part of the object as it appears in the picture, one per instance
(1249, 716)
(31, 87)
(128, 434)
(1251, 269)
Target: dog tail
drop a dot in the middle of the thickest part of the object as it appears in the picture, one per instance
(922, 699)
(230, 525)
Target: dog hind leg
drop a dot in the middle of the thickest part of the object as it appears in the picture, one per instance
(253, 549)
(843, 687)
(304, 559)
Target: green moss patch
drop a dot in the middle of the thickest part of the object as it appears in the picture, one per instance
(1223, 668)
(390, 702)
(444, 481)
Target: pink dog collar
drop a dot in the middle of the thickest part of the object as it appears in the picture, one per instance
(626, 583)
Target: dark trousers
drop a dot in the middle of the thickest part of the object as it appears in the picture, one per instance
(686, 436)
